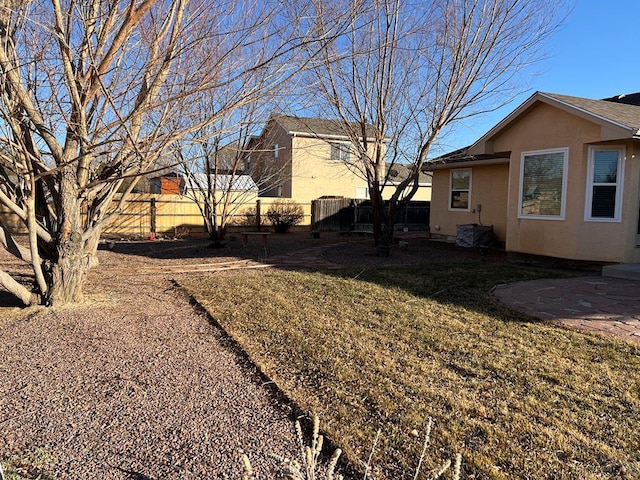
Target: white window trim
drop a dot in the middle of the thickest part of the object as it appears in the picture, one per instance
(565, 174)
(275, 150)
(452, 209)
(617, 218)
(343, 148)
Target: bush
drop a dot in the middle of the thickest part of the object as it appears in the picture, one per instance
(283, 214)
(248, 218)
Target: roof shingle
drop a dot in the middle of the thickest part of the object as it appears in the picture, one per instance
(320, 127)
(621, 113)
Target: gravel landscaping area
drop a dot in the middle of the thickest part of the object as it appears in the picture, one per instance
(136, 382)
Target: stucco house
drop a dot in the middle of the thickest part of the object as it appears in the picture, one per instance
(304, 159)
(558, 177)
(397, 172)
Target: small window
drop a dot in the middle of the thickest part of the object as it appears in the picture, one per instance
(362, 193)
(275, 150)
(543, 184)
(460, 190)
(340, 152)
(604, 184)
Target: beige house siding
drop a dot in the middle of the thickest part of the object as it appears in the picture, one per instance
(274, 171)
(304, 162)
(314, 174)
(546, 127)
(537, 126)
(493, 201)
(423, 194)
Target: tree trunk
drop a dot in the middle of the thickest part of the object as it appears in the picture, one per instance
(378, 215)
(69, 273)
(75, 254)
(386, 237)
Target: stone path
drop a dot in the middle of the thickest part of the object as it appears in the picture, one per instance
(604, 305)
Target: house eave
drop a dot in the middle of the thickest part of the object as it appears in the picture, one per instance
(611, 130)
(322, 136)
(444, 165)
(627, 131)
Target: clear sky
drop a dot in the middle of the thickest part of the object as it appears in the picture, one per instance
(595, 54)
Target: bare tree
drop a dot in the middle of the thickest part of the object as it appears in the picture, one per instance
(93, 92)
(214, 168)
(410, 70)
(216, 159)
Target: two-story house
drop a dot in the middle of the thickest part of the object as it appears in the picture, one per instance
(305, 159)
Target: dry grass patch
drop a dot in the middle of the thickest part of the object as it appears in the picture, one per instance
(518, 398)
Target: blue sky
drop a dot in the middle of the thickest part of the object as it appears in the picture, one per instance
(595, 54)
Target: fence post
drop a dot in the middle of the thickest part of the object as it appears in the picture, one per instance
(258, 215)
(154, 214)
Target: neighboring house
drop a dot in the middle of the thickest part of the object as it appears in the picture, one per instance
(397, 172)
(169, 183)
(559, 177)
(304, 159)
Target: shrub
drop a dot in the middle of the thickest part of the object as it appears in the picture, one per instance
(308, 467)
(283, 214)
(248, 218)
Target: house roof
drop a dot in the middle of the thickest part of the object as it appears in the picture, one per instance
(223, 182)
(618, 116)
(398, 172)
(610, 110)
(462, 158)
(319, 127)
(619, 120)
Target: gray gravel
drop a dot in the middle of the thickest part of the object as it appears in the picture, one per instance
(136, 384)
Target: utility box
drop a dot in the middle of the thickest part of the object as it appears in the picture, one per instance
(474, 235)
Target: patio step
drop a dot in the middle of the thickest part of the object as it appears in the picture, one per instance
(630, 271)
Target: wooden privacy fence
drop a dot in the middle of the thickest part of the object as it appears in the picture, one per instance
(146, 214)
(332, 214)
(350, 214)
(166, 214)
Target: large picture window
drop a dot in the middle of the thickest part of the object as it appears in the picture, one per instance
(460, 190)
(543, 180)
(604, 184)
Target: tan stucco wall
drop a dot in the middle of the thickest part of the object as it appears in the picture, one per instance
(423, 193)
(274, 171)
(315, 175)
(488, 188)
(546, 127)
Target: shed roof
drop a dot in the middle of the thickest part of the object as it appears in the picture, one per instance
(223, 182)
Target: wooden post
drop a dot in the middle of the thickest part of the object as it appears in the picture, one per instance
(258, 216)
(154, 215)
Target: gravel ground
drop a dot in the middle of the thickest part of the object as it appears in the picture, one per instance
(137, 384)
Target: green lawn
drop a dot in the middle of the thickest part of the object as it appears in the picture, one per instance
(387, 348)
